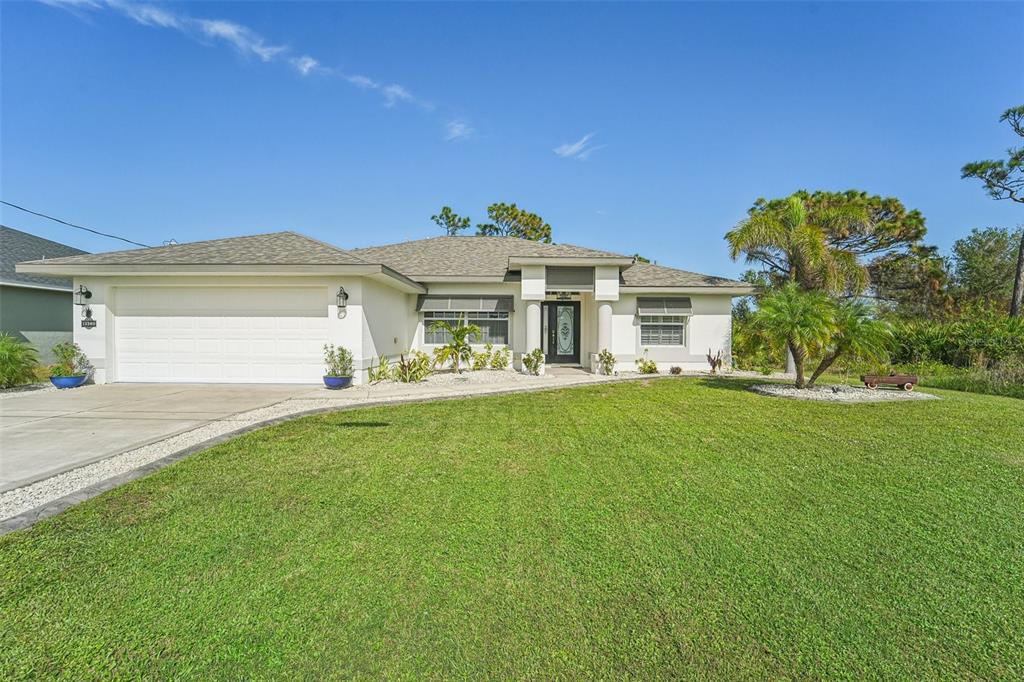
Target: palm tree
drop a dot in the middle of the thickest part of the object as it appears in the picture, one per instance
(794, 245)
(458, 349)
(858, 333)
(804, 320)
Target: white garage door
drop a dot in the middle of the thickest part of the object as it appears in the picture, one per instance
(229, 334)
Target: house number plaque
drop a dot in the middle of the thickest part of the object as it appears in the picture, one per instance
(88, 323)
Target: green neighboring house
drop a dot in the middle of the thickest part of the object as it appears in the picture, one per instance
(35, 308)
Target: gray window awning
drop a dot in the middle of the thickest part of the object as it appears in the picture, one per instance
(464, 303)
(569, 278)
(664, 306)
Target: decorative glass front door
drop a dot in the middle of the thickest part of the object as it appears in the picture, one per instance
(562, 322)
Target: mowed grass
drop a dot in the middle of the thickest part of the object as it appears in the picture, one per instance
(674, 528)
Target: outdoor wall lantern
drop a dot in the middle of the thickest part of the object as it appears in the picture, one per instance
(342, 301)
(82, 295)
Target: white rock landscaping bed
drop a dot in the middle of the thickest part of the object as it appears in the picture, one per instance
(840, 393)
(27, 388)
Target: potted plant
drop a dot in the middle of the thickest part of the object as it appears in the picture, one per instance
(337, 366)
(72, 367)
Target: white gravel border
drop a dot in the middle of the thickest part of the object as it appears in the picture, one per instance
(840, 393)
(38, 387)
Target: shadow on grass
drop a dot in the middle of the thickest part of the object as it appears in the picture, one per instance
(360, 425)
(732, 383)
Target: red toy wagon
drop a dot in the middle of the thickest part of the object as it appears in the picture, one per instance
(904, 381)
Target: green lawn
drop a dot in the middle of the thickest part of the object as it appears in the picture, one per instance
(677, 528)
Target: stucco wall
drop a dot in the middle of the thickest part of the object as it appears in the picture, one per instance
(42, 317)
(386, 329)
(710, 327)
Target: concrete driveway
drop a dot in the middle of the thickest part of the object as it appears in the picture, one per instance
(45, 433)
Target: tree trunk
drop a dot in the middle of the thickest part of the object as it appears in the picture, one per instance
(1017, 302)
(798, 361)
(826, 362)
(790, 364)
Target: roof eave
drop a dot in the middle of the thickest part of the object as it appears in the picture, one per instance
(730, 289)
(581, 261)
(462, 279)
(182, 269)
(33, 285)
(399, 281)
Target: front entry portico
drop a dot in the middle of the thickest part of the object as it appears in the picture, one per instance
(560, 321)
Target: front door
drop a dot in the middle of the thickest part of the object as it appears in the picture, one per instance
(562, 333)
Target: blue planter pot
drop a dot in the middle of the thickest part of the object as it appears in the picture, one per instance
(69, 382)
(337, 382)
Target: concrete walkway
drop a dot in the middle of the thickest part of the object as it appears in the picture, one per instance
(62, 447)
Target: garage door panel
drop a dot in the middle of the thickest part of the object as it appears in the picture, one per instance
(220, 334)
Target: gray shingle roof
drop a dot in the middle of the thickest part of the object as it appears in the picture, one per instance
(650, 275)
(434, 257)
(276, 248)
(17, 246)
(468, 256)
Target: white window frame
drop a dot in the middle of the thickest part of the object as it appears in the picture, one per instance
(681, 321)
(464, 317)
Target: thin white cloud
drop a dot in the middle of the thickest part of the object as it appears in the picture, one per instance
(148, 15)
(362, 82)
(394, 93)
(243, 39)
(458, 129)
(84, 4)
(247, 42)
(580, 149)
(305, 64)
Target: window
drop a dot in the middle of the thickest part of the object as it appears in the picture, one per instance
(493, 326)
(662, 330)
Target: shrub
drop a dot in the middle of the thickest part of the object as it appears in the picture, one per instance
(18, 362)
(482, 359)
(752, 349)
(534, 361)
(457, 351)
(382, 372)
(71, 361)
(337, 361)
(645, 366)
(980, 336)
(417, 366)
(715, 361)
(605, 362)
(675, 369)
(501, 358)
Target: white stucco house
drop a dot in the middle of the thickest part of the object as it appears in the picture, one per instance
(260, 308)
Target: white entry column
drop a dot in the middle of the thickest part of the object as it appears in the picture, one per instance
(604, 326)
(606, 290)
(534, 288)
(532, 325)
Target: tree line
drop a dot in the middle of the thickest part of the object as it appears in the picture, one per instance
(832, 268)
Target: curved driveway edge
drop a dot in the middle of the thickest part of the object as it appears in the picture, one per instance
(59, 504)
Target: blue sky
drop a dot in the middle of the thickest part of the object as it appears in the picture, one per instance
(633, 127)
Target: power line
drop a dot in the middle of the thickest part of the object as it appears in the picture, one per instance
(64, 222)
